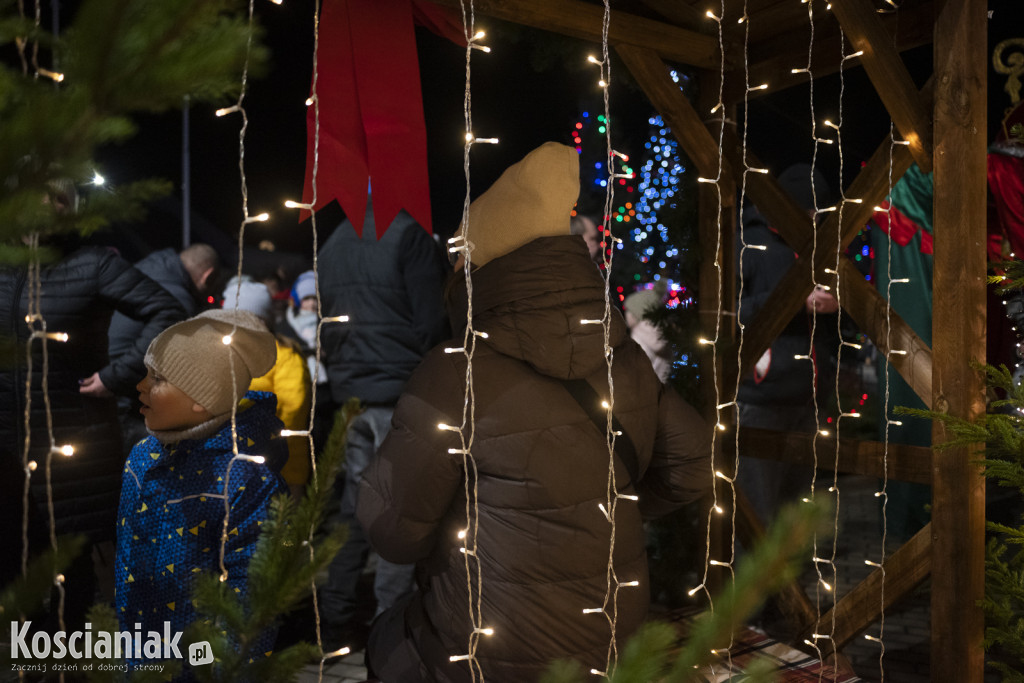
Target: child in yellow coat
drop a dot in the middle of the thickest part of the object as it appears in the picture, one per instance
(288, 379)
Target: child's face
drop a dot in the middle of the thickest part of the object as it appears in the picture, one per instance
(166, 407)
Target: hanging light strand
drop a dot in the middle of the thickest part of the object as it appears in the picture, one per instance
(467, 430)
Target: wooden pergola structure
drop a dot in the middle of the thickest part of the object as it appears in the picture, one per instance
(944, 124)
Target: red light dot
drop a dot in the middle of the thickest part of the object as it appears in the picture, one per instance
(829, 420)
(209, 299)
(865, 396)
(579, 126)
(619, 289)
(629, 189)
(622, 181)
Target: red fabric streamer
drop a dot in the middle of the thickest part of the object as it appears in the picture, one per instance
(1006, 182)
(900, 228)
(371, 110)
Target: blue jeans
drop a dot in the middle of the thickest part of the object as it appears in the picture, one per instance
(339, 595)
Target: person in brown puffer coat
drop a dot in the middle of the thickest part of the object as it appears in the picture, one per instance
(541, 456)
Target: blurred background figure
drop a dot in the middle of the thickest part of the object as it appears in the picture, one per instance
(301, 322)
(392, 291)
(638, 306)
(288, 380)
(79, 292)
(780, 392)
(187, 276)
(587, 228)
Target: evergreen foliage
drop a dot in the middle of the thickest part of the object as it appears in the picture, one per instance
(281, 574)
(117, 58)
(650, 654)
(1001, 432)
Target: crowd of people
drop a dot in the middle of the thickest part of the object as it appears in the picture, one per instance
(162, 392)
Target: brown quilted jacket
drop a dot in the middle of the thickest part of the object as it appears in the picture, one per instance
(542, 470)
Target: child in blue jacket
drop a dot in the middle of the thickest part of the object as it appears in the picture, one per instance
(176, 481)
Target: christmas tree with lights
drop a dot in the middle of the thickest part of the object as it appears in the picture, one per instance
(654, 215)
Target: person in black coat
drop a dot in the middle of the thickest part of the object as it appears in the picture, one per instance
(186, 276)
(392, 290)
(77, 295)
(780, 392)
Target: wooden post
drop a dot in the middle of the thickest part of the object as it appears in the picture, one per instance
(958, 336)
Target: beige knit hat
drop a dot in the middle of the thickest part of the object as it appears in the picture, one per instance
(192, 356)
(532, 198)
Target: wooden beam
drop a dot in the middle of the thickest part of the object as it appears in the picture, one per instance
(867, 307)
(774, 203)
(772, 60)
(584, 20)
(868, 458)
(892, 81)
(679, 13)
(958, 336)
(767, 21)
(902, 571)
(870, 187)
(652, 74)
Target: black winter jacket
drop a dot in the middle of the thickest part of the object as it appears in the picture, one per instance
(779, 378)
(542, 471)
(392, 289)
(78, 295)
(165, 268)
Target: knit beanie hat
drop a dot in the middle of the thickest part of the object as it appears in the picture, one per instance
(638, 303)
(305, 285)
(192, 356)
(250, 296)
(532, 198)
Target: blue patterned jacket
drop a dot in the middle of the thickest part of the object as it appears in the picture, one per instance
(172, 512)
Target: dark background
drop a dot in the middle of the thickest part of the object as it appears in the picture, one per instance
(531, 88)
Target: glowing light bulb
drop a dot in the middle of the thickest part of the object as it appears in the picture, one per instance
(226, 339)
(97, 179)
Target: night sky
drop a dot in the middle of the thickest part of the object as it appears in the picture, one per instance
(531, 88)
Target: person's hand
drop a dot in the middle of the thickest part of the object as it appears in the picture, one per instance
(93, 386)
(820, 301)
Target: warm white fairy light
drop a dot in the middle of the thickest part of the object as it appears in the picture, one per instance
(290, 204)
(224, 111)
(256, 459)
(294, 432)
(52, 75)
(336, 653)
(467, 429)
(609, 604)
(258, 218)
(97, 179)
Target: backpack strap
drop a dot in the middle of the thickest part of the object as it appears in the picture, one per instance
(590, 402)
